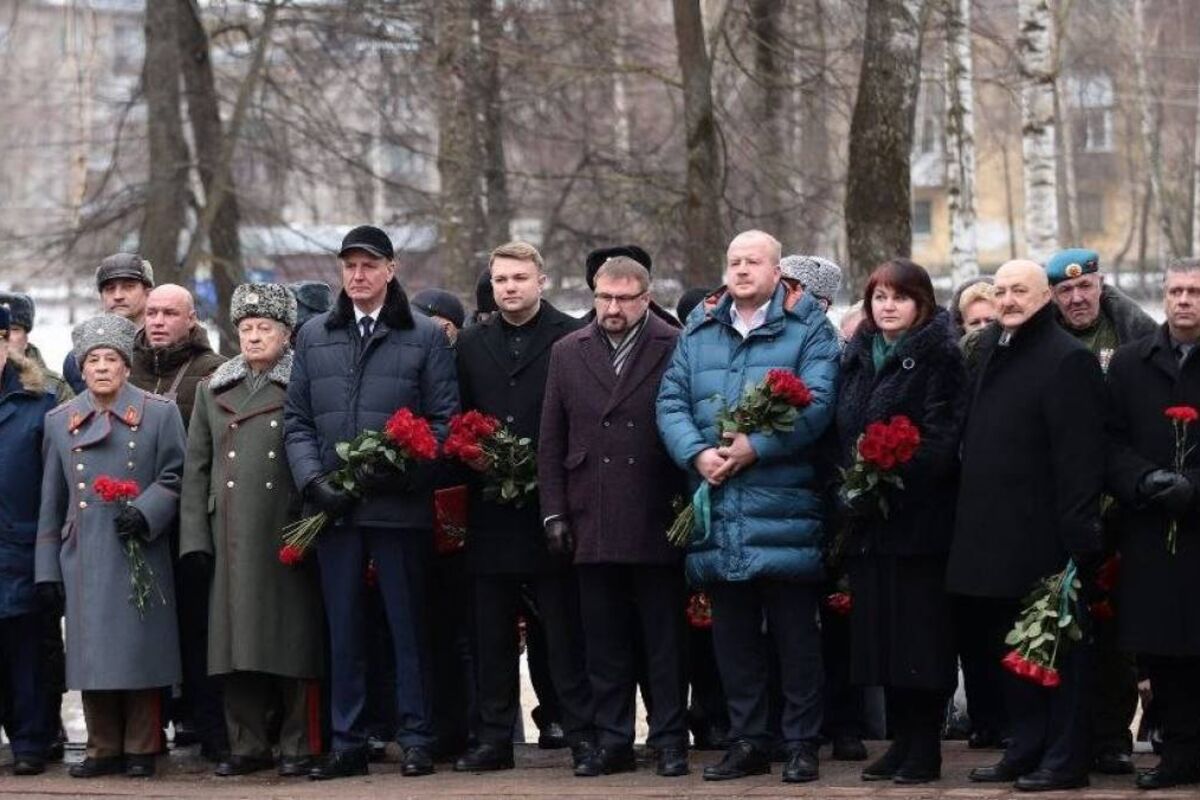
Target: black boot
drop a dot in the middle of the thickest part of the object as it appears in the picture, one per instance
(887, 765)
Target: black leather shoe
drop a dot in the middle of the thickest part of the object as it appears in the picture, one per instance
(1164, 776)
(740, 760)
(1000, 772)
(581, 752)
(848, 748)
(295, 766)
(606, 761)
(672, 762)
(887, 765)
(1043, 780)
(912, 774)
(802, 766)
(28, 765)
(418, 761)
(340, 764)
(1113, 762)
(983, 739)
(95, 767)
(140, 766)
(485, 757)
(551, 737)
(243, 765)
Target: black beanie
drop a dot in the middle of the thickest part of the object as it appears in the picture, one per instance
(596, 259)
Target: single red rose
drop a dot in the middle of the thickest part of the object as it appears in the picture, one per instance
(290, 555)
(841, 603)
(1051, 678)
(1184, 414)
(699, 611)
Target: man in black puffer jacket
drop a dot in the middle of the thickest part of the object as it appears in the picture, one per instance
(354, 366)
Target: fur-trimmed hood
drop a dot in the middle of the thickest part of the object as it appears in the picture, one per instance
(236, 369)
(29, 373)
(396, 313)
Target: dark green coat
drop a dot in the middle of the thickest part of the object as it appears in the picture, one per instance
(238, 495)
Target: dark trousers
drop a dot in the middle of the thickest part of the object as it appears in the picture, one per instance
(451, 627)
(790, 610)
(497, 605)
(708, 712)
(402, 557)
(53, 668)
(547, 711)
(844, 702)
(620, 604)
(25, 688)
(123, 722)
(915, 719)
(980, 625)
(1177, 705)
(199, 706)
(1114, 692)
(256, 701)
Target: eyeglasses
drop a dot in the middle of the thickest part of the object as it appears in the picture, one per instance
(604, 299)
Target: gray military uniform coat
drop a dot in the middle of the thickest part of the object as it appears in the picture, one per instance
(109, 645)
(238, 495)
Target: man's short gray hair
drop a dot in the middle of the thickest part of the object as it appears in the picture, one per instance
(623, 268)
(1182, 265)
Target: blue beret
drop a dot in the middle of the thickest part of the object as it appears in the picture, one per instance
(1067, 264)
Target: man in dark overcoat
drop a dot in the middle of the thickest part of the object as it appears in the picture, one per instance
(353, 367)
(1034, 432)
(607, 485)
(1157, 613)
(502, 365)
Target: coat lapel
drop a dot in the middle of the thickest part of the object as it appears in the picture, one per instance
(544, 335)
(237, 401)
(597, 358)
(654, 345)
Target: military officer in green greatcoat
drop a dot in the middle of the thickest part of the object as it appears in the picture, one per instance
(265, 618)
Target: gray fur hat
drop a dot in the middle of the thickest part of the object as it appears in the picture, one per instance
(818, 275)
(106, 330)
(20, 308)
(266, 300)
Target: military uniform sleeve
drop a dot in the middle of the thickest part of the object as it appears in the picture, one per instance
(53, 512)
(159, 502)
(195, 531)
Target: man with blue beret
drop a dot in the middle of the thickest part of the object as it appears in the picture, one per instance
(1103, 318)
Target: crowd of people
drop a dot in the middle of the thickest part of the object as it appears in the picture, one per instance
(144, 494)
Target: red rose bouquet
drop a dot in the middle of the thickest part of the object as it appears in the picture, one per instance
(769, 406)
(406, 439)
(699, 611)
(1047, 624)
(511, 472)
(1181, 417)
(840, 603)
(142, 585)
(878, 452)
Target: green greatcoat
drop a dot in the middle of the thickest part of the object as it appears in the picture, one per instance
(238, 495)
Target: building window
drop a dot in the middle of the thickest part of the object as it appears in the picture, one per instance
(1091, 96)
(128, 47)
(922, 218)
(1091, 213)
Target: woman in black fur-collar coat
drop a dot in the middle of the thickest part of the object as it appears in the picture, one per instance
(904, 360)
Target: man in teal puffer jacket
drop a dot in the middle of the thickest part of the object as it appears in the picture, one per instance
(761, 554)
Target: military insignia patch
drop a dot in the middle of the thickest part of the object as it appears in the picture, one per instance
(75, 421)
(130, 416)
(1073, 270)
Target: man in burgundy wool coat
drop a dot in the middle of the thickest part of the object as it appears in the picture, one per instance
(607, 485)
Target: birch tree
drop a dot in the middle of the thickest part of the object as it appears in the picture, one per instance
(1196, 176)
(1036, 71)
(1151, 135)
(960, 141)
(879, 183)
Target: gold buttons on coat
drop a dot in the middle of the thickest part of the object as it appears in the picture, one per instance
(81, 486)
(233, 454)
(83, 504)
(270, 485)
(271, 454)
(274, 423)
(79, 467)
(229, 484)
(132, 445)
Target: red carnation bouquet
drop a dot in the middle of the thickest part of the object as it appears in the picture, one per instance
(511, 473)
(1045, 627)
(840, 603)
(142, 585)
(770, 405)
(1181, 417)
(699, 611)
(406, 439)
(880, 450)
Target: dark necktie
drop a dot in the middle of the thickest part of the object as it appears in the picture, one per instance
(366, 323)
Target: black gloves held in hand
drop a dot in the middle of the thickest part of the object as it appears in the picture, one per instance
(373, 477)
(559, 540)
(131, 522)
(1168, 490)
(327, 497)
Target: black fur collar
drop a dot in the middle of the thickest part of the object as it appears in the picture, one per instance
(396, 313)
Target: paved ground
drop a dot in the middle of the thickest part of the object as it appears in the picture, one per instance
(541, 774)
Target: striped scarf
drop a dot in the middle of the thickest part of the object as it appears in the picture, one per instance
(622, 349)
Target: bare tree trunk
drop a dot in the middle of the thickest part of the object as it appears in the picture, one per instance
(620, 91)
(167, 184)
(770, 71)
(1065, 141)
(878, 183)
(704, 230)
(960, 141)
(1010, 206)
(815, 154)
(1037, 126)
(204, 113)
(490, 94)
(1151, 131)
(461, 228)
(1196, 176)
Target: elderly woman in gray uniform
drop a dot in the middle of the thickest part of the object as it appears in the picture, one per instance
(266, 623)
(118, 655)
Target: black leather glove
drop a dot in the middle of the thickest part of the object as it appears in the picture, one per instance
(327, 497)
(372, 477)
(131, 522)
(1168, 490)
(50, 597)
(558, 537)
